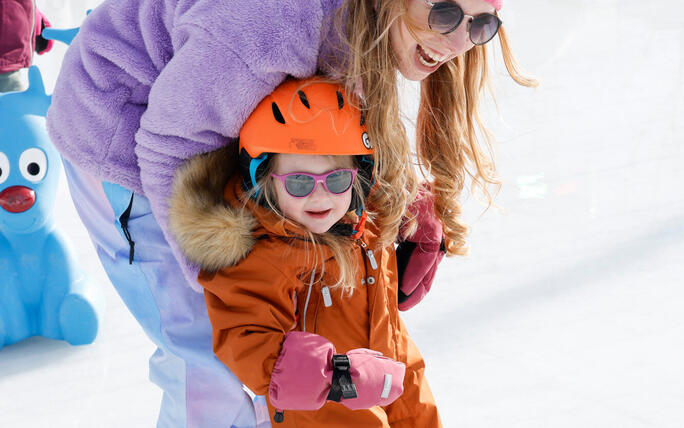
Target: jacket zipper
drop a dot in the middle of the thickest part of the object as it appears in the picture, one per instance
(123, 220)
(279, 415)
(32, 39)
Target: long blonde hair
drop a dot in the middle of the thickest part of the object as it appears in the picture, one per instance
(448, 119)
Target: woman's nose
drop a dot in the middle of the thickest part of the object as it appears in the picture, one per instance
(458, 41)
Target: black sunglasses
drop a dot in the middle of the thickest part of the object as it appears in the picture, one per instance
(446, 16)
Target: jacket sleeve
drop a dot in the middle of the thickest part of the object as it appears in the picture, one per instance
(181, 77)
(251, 308)
(212, 83)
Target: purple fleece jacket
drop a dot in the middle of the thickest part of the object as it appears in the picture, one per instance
(148, 84)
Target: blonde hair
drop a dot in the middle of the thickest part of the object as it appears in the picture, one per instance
(448, 119)
(264, 194)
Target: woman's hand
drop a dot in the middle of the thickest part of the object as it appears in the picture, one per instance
(419, 254)
(42, 45)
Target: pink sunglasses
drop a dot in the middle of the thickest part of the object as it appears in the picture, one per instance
(302, 184)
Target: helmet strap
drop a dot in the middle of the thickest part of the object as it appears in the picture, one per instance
(253, 166)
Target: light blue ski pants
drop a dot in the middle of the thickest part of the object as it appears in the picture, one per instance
(199, 391)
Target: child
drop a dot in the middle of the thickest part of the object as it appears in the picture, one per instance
(307, 313)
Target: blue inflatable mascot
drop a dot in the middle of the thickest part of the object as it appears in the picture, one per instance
(43, 291)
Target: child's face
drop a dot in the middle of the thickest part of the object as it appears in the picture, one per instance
(320, 210)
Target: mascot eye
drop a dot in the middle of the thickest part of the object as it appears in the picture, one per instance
(33, 164)
(4, 167)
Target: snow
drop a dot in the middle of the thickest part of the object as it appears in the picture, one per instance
(567, 312)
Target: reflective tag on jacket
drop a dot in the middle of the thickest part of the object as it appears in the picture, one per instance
(327, 299)
(371, 259)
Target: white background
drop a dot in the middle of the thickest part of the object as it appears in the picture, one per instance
(568, 311)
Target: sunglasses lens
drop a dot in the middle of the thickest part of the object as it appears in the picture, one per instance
(445, 17)
(299, 185)
(483, 28)
(339, 181)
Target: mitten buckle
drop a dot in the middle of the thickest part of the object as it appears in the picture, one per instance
(342, 385)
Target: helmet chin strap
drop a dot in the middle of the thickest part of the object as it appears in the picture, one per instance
(360, 226)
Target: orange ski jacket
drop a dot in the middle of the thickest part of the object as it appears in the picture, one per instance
(254, 303)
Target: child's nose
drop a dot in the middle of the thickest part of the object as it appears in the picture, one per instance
(319, 192)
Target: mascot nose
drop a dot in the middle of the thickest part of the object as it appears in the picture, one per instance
(17, 199)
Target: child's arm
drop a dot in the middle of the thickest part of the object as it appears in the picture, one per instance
(251, 309)
(419, 255)
(308, 365)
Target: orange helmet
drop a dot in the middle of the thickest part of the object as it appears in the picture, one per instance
(305, 117)
(310, 117)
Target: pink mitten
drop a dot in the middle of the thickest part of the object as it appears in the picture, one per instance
(42, 45)
(419, 255)
(379, 380)
(308, 366)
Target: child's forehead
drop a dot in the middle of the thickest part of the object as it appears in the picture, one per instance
(311, 163)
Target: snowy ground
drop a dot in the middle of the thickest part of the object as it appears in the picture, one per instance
(567, 313)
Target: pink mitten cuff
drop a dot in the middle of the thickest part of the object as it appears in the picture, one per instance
(429, 231)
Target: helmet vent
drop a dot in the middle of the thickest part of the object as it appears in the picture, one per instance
(277, 114)
(363, 118)
(303, 99)
(340, 100)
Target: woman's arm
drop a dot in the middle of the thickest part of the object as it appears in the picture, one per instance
(227, 57)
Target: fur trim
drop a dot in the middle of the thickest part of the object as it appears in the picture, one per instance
(208, 231)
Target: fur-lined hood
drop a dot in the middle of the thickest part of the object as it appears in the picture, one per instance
(210, 232)
(212, 224)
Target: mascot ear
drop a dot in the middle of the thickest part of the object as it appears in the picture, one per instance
(32, 101)
(36, 89)
(65, 36)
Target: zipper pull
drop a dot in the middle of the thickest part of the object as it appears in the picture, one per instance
(279, 416)
(369, 254)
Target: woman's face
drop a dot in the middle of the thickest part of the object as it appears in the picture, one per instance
(419, 60)
(320, 210)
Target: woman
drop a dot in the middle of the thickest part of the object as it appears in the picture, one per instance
(149, 84)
